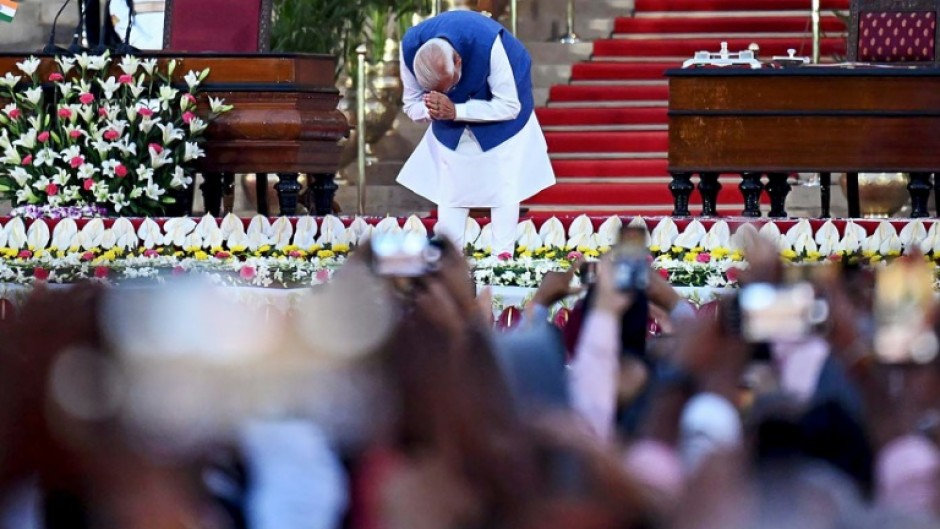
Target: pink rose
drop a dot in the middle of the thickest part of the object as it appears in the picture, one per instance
(151, 253)
(178, 271)
(111, 135)
(145, 112)
(101, 272)
(43, 136)
(65, 113)
(24, 254)
(120, 171)
(103, 112)
(155, 147)
(189, 97)
(15, 114)
(77, 161)
(40, 273)
(295, 254)
(88, 256)
(247, 273)
(505, 256)
(703, 257)
(55, 77)
(732, 275)
(126, 79)
(89, 183)
(574, 256)
(663, 273)
(323, 276)
(75, 134)
(86, 98)
(28, 160)
(188, 117)
(222, 255)
(52, 190)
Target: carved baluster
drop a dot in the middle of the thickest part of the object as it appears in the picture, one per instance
(825, 181)
(228, 193)
(681, 188)
(919, 188)
(778, 188)
(936, 194)
(288, 190)
(708, 187)
(212, 192)
(320, 193)
(751, 188)
(261, 192)
(851, 195)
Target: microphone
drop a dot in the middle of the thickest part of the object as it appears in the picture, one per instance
(76, 46)
(51, 48)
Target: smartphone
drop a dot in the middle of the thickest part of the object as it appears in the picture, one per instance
(588, 273)
(405, 254)
(769, 313)
(902, 306)
(631, 261)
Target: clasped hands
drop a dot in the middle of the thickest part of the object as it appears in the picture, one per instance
(440, 107)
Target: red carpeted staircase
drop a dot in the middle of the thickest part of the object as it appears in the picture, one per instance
(607, 129)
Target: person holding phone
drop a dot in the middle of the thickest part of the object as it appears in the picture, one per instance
(467, 76)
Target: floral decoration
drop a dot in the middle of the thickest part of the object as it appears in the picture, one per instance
(98, 135)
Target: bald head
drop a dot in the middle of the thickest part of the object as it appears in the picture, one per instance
(437, 66)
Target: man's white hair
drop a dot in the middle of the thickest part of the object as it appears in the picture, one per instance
(434, 62)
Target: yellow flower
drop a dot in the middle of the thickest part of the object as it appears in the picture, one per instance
(341, 248)
(894, 253)
(698, 249)
(592, 253)
(525, 254)
(178, 254)
(788, 254)
(564, 264)
(605, 249)
(325, 254)
(737, 255)
(265, 248)
(868, 253)
(814, 255)
(521, 249)
(216, 249)
(720, 252)
(74, 248)
(290, 248)
(192, 249)
(690, 257)
(238, 249)
(875, 258)
(314, 249)
(201, 256)
(654, 249)
(478, 255)
(583, 249)
(677, 250)
(38, 253)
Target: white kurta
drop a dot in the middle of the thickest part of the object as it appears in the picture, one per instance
(468, 177)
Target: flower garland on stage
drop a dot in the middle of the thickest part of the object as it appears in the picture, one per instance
(288, 254)
(96, 137)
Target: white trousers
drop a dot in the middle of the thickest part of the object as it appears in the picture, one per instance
(504, 219)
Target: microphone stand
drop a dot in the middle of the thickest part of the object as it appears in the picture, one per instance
(51, 48)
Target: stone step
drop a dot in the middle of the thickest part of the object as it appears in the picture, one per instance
(546, 75)
(553, 53)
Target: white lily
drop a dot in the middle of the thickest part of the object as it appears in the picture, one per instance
(61, 178)
(192, 151)
(44, 157)
(26, 196)
(144, 173)
(159, 159)
(196, 126)
(129, 64)
(149, 65)
(581, 225)
(664, 233)
(87, 170)
(692, 235)
(414, 225)
(16, 234)
(608, 232)
(99, 62)
(109, 86)
(64, 233)
(65, 63)
(29, 66)
(192, 80)
(306, 232)
(552, 233)
(218, 106)
(170, 133)
(83, 61)
(33, 95)
(149, 232)
(9, 80)
(65, 88)
(167, 93)
(20, 176)
(283, 232)
(92, 234)
(11, 157)
(108, 240)
(180, 179)
(231, 224)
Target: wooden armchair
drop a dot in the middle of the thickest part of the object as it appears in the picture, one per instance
(891, 31)
(226, 26)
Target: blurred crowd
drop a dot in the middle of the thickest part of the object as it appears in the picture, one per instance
(390, 401)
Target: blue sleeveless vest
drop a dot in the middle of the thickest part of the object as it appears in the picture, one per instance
(473, 35)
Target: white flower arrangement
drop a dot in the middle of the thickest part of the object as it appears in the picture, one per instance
(100, 143)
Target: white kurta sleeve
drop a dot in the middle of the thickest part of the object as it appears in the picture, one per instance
(505, 104)
(413, 95)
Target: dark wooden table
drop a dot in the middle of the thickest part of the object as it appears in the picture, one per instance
(285, 121)
(824, 120)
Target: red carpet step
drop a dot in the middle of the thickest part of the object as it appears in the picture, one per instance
(736, 5)
(613, 194)
(725, 25)
(611, 168)
(607, 142)
(620, 71)
(560, 93)
(556, 117)
(688, 47)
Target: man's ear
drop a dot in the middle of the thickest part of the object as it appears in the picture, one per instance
(457, 61)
